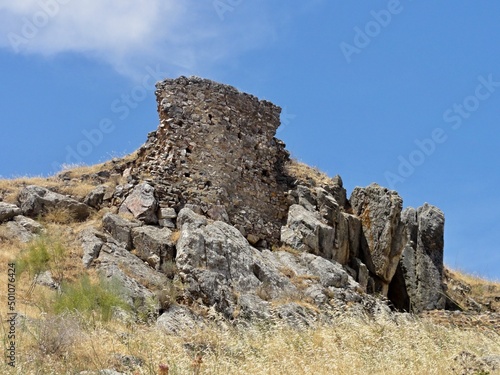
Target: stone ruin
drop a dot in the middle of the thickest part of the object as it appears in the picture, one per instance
(215, 148)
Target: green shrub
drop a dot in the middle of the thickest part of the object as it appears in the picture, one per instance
(86, 297)
(38, 254)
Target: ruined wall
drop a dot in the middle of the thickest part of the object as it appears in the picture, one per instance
(216, 146)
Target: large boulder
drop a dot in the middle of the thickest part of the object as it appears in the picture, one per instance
(304, 231)
(21, 228)
(120, 228)
(418, 284)
(383, 234)
(8, 211)
(220, 268)
(36, 200)
(149, 241)
(142, 204)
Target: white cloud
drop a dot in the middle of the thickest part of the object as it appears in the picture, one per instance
(184, 36)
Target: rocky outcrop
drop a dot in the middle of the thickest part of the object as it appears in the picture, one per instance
(36, 200)
(8, 211)
(142, 204)
(418, 284)
(383, 233)
(120, 228)
(220, 268)
(153, 245)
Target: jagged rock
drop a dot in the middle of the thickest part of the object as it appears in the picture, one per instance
(95, 198)
(220, 267)
(142, 204)
(30, 225)
(22, 228)
(296, 315)
(383, 233)
(119, 228)
(306, 232)
(218, 212)
(418, 284)
(167, 218)
(8, 211)
(149, 240)
(130, 273)
(36, 200)
(91, 241)
(187, 216)
(178, 320)
(45, 279)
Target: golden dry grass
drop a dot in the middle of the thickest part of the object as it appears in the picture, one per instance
(305, 173)
(349, 346)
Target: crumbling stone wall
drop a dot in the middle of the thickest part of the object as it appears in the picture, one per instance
(214, 147)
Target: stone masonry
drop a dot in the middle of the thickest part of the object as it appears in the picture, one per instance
(215, 148)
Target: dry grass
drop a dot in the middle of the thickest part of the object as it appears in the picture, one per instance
(349, 346)
(174, 237)
(306, 173)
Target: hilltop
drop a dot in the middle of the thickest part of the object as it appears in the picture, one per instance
(211, 231)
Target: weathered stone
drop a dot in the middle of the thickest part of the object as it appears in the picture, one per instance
(30, 225)
(45, 279)
(22, 229)
(186, 216)
(418, 284)
(8, 211)
(148, 241)
(119, 228)
(178, 320)
(217, 146)
(305, 232)
(142, 204)
(167, 217)
(91, 241)
(218, 212)
(130, 274)
(36, 200)
(95, 197)
(383, 233)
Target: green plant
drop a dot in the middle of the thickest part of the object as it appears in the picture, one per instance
(87, 297)
(44, 253)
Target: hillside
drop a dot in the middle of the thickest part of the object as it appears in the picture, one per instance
(210, 251)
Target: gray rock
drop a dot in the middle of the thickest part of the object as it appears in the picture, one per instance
(187, 216)
(45, 279)
(218, 213)
(142, 204)
(130, 273)
(167, 218)
(178, 320)
(95, 197)
(30, 225)
(305, 232)
(8, 211)
(220, 268)
(36, 200)
(91, 241)
(16, 231)
(418, 284)
(149, 240)
(383, 233)
(119, 228)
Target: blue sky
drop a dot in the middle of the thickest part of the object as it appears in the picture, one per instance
(402, 93)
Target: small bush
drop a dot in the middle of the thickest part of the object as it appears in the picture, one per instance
(55, 335)
(42, 254)
(87, 298)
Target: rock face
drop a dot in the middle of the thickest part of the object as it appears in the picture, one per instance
(222, 269)
(383, 237)
(142, 204)
(8, 211)
(36, 200)
(418, 284)
(215, 146)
